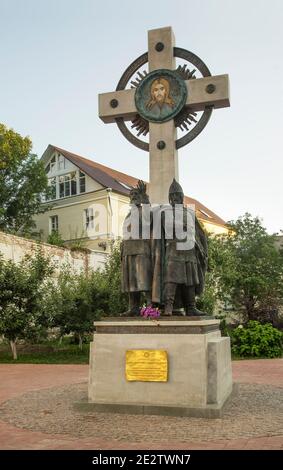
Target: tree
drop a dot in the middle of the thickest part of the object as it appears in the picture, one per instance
(74, 303)
(22, 182)
(254, 279)
(220, 270)
(21, 287)
(110, 281)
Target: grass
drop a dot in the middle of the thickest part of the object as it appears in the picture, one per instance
(49, 352)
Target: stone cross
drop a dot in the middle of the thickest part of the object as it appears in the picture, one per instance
(163, 162)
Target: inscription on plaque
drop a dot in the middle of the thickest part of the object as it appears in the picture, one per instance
(146, 365)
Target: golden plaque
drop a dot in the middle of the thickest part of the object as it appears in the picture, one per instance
(146, 365)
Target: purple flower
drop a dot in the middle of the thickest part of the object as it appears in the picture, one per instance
(149, 312)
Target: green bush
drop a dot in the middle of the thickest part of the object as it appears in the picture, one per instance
(55, 239)
(207, 301)
(224, 329)
(257, 340)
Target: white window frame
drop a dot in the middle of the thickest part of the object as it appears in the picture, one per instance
(61, 162)
(53, 224)
(74, 178)
(53, 164)
(82, 176)
(69, 178)
(89, 218)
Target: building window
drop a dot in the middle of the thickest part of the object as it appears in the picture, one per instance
(53, 188)
(53, 224)
(67, 185)
(82, 182)
(61, 186)
(61, 162)
(89, 218)
(73, 183)
(53, 163)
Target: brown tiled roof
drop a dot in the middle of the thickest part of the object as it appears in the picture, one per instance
(110, 178)
(204, 213)
(102, 174)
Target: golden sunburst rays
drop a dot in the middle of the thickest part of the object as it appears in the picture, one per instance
(140, 125)
(185, 73)
(138, 79)
(185, 118)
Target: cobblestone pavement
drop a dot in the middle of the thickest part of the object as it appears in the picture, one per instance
(39, 413)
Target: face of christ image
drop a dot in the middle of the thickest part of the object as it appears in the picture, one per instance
(160, 94)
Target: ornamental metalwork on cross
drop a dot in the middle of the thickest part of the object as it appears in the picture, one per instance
(162, 99)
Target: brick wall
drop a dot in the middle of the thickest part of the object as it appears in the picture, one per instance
(15, 248)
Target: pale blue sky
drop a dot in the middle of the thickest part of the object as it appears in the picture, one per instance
(57, 55)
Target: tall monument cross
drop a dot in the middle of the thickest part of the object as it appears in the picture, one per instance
(162, 100)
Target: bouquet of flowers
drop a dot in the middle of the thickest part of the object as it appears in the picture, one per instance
(150, 312)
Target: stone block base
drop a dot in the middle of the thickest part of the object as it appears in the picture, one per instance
(199, 367)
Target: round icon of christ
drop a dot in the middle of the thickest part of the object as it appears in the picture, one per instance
(161, 96)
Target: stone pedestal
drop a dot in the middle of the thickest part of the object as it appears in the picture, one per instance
(199, 367)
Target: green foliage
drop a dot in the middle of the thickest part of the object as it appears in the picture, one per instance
(220, 268)
(21, 289)
(77, 242)
(22, 181)
(255, 281)
(207, 302)
(77, 300)
(55, 239)
(115, 301)
(224, 329)
(257, 340)
(245, 271)
(74, 303)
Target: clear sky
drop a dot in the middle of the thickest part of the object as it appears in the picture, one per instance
(58, 55)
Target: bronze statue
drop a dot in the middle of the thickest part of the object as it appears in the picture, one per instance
(136, 253)
(170, 270)
(184, 265)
